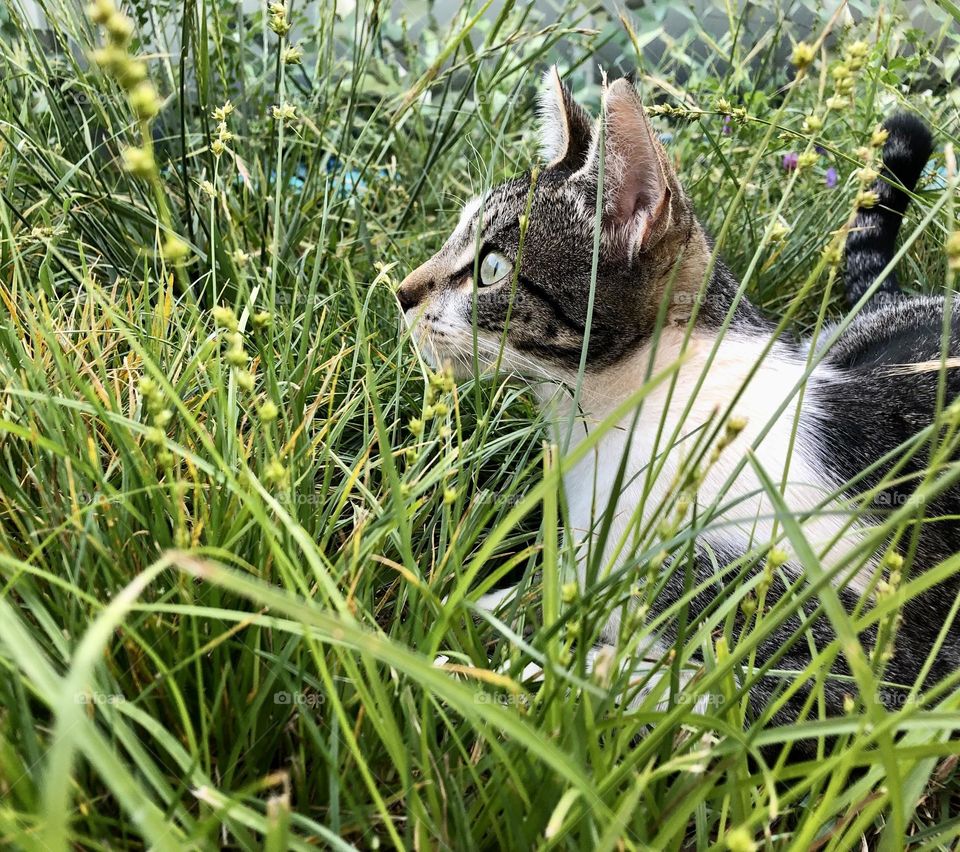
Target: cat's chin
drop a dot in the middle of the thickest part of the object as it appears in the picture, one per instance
(441, 358)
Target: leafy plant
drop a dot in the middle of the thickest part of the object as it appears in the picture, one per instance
(244, 527)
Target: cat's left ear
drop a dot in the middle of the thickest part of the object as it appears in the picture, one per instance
(565, 127)
(638, 182)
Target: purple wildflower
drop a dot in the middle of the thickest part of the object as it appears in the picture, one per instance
(790, 161)
(831, 178)
(726, 125)
(820, 149)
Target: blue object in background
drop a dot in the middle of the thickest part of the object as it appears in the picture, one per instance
(346, 182)
(299, 177)
(933, 176)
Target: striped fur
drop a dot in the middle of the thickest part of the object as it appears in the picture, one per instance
(873, 391)
(872, 240)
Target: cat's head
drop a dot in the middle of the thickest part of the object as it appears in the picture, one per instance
(531, 296)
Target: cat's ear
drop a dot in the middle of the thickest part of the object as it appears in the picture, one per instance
(638, 183)
(565, 127)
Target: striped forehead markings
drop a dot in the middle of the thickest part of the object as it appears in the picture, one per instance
(467, 215)
(466, 237)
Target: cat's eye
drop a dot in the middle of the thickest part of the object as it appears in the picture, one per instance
(493, 268)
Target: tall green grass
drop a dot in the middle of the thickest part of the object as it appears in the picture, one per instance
(241, 520)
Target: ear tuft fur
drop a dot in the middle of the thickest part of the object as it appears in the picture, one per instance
(565, 127)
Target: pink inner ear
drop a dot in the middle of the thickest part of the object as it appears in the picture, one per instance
(635, 178)
(639, 194)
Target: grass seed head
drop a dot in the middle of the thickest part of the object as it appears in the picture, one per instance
(119, 28)
(245, 380)
(879, 137)
(236, 357)
(740, 840)
(221, 113)
(268, 411)
(284, 112)
(275, 473)
(144, 100)
(776, 557)
(953, 251)
(174, 249)
(138, 162)
(100, 11)
(224, 317)
(803, 54)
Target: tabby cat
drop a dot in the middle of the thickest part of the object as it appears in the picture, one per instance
(519, 264)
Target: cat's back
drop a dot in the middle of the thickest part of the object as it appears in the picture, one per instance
(900, 336)
(886, 372)
(885, 380)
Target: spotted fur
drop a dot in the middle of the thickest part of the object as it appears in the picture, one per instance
(653, 311)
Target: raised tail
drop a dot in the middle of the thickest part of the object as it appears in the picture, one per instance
(870, 243)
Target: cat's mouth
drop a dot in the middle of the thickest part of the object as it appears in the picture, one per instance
(442, 347)
(426, 339)
(446, 346)
(431, 339)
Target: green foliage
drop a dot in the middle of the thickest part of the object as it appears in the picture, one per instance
(239, 520)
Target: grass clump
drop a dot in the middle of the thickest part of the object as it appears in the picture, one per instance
(240, 520)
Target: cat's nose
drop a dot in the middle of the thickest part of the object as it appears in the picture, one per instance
(413, 289)
(409, 297)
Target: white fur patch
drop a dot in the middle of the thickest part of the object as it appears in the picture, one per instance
(747, 521)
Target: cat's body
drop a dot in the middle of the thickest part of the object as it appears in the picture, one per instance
(667, 431)
(651, 314)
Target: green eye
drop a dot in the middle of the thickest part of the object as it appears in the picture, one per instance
(493, 268)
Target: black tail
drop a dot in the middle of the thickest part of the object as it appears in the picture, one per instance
(870, 244)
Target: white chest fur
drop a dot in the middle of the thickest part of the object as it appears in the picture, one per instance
(656, 445)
